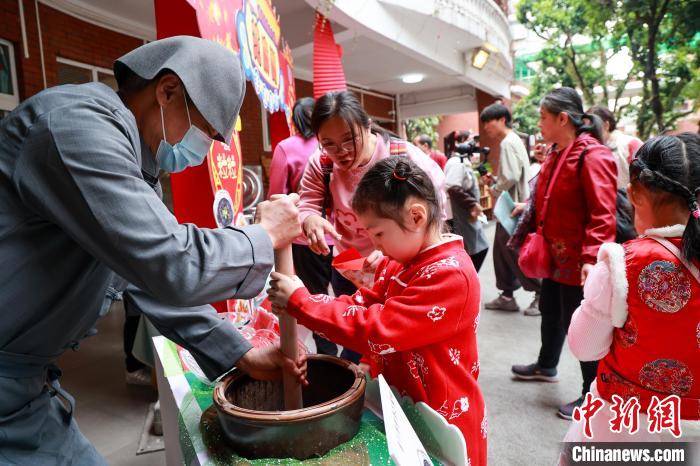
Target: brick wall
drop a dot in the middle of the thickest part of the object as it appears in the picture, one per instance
(63, 36)
(459, 121)
(304, 88)
(251, 132)
(251, 135)
(29, 79)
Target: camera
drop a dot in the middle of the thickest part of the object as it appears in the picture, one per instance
(469, 148)
(472, 147)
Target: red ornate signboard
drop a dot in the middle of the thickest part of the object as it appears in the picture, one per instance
(225, 173)
(251, 28)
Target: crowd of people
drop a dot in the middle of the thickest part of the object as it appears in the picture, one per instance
(81, 218)
(419, 221)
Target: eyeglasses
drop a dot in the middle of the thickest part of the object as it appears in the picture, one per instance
(345, 146)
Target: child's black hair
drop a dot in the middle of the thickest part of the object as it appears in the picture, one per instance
(386, 186)
(671, 164)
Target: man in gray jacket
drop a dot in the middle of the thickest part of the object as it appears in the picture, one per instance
(75, 209)
(513, 177)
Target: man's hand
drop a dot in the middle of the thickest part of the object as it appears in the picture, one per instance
(585, 270)
(269, 362)
(474, 212)
(281, 288)
(518, 209)
(488, 179)
(280, 218)
(372, 262)
(315, 228)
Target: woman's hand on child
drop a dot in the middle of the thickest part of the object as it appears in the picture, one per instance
(585, 270)
(281, 288)
(315, 228)
(372, 262)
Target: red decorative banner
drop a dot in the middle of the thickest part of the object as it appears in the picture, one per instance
(252, 28)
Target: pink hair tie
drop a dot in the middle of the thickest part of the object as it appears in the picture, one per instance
(696, 213)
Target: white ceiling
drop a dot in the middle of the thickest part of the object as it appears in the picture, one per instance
(367, 63)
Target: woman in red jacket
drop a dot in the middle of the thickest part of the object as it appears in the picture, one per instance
(579, 218)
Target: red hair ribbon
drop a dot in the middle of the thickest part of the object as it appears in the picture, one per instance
(400, 178)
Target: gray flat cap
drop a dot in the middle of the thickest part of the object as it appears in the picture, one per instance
(211, 73)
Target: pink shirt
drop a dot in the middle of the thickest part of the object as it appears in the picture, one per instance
(288, 163)
(342, 188)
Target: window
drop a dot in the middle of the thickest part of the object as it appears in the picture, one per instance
(73, 72)
(9, 95)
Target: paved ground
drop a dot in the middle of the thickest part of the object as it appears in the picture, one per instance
(523, 426)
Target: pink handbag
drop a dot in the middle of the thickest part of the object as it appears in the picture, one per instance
(535, 258)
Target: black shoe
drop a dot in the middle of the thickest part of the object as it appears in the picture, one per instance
(567, 411)
(534, 372)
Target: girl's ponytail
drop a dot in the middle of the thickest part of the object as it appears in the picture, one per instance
(567, 100)
(671, 164)
(594, 126)
(691, 234)
(389, 183)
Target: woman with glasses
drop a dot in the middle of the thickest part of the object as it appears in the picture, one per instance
(349, 145)
(288, 163)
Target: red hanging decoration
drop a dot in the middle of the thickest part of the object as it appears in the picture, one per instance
(327, 66)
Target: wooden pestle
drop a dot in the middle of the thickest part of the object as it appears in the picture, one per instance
(288, 334)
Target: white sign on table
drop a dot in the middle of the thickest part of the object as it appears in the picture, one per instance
(405, 448)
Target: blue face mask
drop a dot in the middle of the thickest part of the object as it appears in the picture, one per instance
(189, 152)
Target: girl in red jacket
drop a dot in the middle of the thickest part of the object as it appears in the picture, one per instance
(641, 310)
(580, 216)
(417, 325)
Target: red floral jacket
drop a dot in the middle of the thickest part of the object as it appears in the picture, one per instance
(581, 213)
(417, 325)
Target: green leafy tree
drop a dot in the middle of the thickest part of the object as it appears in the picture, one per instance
(526, 116)
(661, 36)
(425, 125)
(578, 48)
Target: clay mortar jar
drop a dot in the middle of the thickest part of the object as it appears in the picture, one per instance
(255, 423)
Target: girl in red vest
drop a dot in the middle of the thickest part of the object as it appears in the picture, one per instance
(417, 325)
(641, 310)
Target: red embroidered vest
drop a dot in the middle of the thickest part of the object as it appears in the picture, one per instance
(657, 352)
